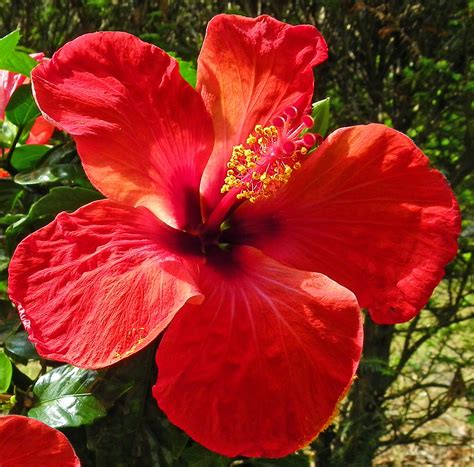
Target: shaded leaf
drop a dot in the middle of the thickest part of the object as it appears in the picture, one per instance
(294, 460)
(122, 438)
(65, 398)
(9, 193)
(46, 208)
(22, 108)
(199, 456)
(19, 346)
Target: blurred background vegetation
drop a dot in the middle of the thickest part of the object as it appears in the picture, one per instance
(402, 63)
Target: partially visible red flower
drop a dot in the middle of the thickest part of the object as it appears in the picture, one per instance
(26, 442)
(42, 130)
(222, 228)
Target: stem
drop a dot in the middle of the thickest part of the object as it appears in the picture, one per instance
(8, 161)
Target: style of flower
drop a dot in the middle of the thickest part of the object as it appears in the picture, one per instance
(26, 442)
(223, 229)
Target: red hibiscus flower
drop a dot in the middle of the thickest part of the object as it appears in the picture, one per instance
(26, 442)
(222, 228)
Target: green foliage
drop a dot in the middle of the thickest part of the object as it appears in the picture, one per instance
(6, 372)
(19, 347)
(27, 156)
(384, 68)
(320, 114)
(21, 109)
(64, 398)
(13, 60)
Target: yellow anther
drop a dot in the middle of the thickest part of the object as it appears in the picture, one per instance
(260, 166)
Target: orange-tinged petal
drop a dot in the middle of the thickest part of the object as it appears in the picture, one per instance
(40, 132)
(26, 442)
(259, 367)
(99, 284)
(249, 71)
(143, 133)
(366, 210)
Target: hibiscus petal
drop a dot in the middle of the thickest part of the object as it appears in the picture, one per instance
(367, 211)
(40, 132)
(142, 132)
(249, 71)
(259, 367)
(27, 442)
(97, 285)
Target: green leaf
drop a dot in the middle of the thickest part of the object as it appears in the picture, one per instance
(7, 133)
(6, 371)
(46, 208)
(294, 460)
(65, 398)
(9, 193)
(19, 346)
(4, 261)
(188, 71)
(22, 108)
(9, 219)
(9, 320)
(122, 438)
(27, 156)
(13, 60)
(320, 114)
(198, 456)
(64, 173)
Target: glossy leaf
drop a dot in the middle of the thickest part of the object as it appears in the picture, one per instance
(6, 371)
(13, 60)
(21, 108)
(65, 398)
(320, 114)
(64, 173)
(27, 156)
(19, 347)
